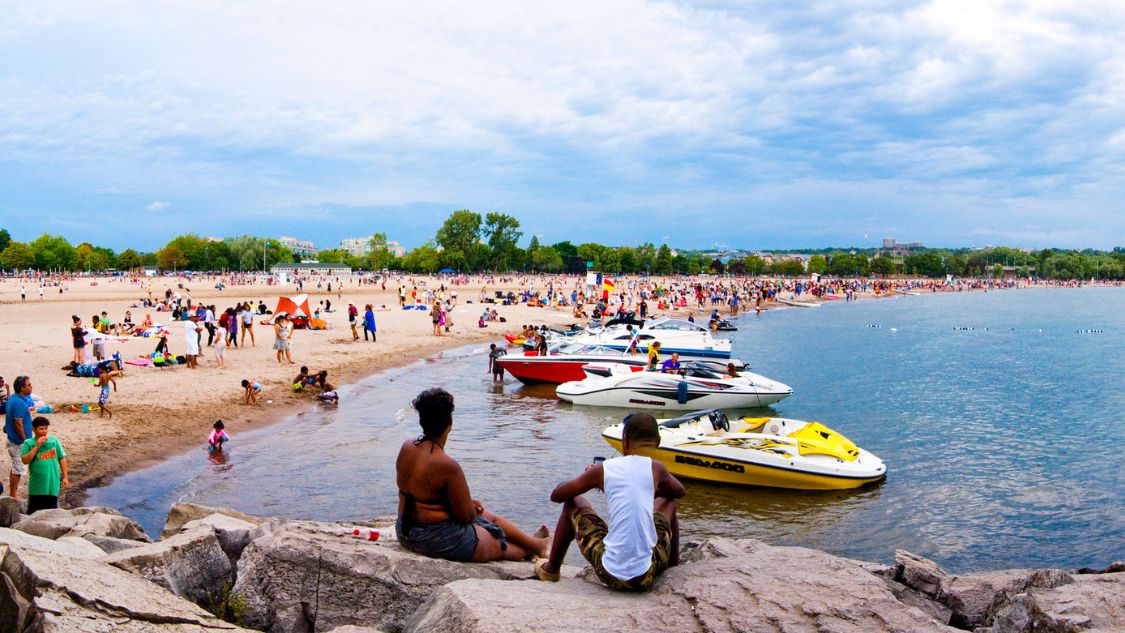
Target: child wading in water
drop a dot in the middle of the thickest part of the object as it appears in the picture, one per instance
(103, 397)
(217, 438)
(253, 390)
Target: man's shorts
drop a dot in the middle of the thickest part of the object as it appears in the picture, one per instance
(15, 452)
(590, 531)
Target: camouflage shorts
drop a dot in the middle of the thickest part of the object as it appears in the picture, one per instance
(590, 531)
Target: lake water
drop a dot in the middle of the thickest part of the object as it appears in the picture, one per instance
(1003, 442)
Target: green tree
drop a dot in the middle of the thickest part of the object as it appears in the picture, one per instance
(754, 265)
(424, 259)
(546, 259)
(646, 257)
(663, 263)
(379, 256)
(883, 265)
(128, 259)
(332, 256)
(790, 267)
(591, 252)
(17, 256)
(627, 257)
(998, 270)
(819, 264)
(171, 257)
(98, 261)
(955, 265)
(53, 252)
(503, 235)
(5, 239)
(459, 238)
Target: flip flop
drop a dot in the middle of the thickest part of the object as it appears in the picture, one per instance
(543, 574)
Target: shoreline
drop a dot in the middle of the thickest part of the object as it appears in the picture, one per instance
(158, 414)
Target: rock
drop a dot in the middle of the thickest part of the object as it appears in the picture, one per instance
(975, 598)
(182, 513)
(9, 511)
(190, 564)
(913, 598)
(81, 521)
(45, 591)
(1116, 566)
(1090, 604)
(71, 546)
(110, 545)
(348, 628)
(234, 534)
(299, 569)
(920, 574)
(726, 586)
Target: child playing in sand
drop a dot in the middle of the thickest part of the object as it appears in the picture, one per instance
(253, 390)
(104, 381)
(217, 438)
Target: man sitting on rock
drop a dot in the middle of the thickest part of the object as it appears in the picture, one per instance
(643, 535)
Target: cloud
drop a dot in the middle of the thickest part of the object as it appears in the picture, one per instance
(157, 206)
(586, 108)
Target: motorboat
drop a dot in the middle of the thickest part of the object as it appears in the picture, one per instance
(689, 340)
(695, 385)
(796, 303)
(772, 452)
(564, 363)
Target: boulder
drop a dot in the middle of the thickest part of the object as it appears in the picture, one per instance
(190, 564)
(315, 576)
(975, 598)
(1090, 604)
(71, 546)
(9, 512)
(81, 521)
(723, 585)
(110, 545)
(919, 573)
(234, 534)
(54, 593)
(348, 628)
(182, 513)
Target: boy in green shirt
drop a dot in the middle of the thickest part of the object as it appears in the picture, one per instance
(46, 461)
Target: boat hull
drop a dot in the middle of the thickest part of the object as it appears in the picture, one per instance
(667, 399)
(532, 370)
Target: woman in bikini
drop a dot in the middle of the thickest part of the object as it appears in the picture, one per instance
(437, 517)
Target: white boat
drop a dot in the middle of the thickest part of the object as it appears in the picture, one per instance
(774, 452)
(799, 304)
(700, 385)
(689, 340)
(909, 293)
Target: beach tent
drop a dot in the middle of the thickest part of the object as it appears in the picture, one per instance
(294, 306)
(446, 271)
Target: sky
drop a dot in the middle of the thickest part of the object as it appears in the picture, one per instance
(740, 124)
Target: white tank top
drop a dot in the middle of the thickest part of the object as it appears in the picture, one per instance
(632, 533)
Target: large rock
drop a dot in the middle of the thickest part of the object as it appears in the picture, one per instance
(920, 574)
(723, 586)
(182, 513)
(110, 545)
(9, 512)
(81, 521)
(315, 576)
(234, 534)
(52, 593)
(975, 598)
(71, 546)
(190, 564)
(1090, 604)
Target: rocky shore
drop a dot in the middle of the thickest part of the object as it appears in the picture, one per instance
(92, 569)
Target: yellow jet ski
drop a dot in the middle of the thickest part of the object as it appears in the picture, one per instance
(772, 452)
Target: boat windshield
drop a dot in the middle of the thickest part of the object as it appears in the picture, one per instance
(678, 325)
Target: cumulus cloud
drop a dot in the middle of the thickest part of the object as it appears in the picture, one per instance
(156, 206)
(589, 107)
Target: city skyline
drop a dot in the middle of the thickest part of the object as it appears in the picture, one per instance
(698, 124)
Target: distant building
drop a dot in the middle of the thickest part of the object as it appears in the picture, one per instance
(313, 268)
(361, 247)
(888, 242)
(303, 249)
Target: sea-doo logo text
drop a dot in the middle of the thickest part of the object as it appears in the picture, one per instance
(653, 403)
(706, 463)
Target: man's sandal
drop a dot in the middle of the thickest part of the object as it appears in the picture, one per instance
(542, 574)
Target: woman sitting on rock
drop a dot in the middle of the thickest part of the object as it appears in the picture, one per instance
(437, 517)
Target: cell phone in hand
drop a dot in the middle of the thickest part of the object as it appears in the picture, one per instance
(598, 460)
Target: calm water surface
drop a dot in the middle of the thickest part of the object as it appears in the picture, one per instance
(1003, 442)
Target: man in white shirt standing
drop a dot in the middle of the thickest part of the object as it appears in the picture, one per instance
(191, 339)
(643, 535)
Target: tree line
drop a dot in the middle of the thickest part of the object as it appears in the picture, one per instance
(472, 242)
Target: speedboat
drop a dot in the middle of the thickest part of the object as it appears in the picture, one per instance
(685, 338)
(696, 385)
(772, 452)
(564, 363)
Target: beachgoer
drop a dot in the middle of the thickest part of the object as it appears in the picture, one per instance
(217, 438)
(5, 393)
(283, 331)
(437, 515)
(247, 324)
(17, 426)
(78, 338)
(46, 459)
(494, 368)
(104, 381)
(353, 316)
(252, 391)
(97, 339)
(653, 356)
(369, 322)
(642, 538)
(191, 339)
(219, 346)
(672, 365)
(435, 317)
